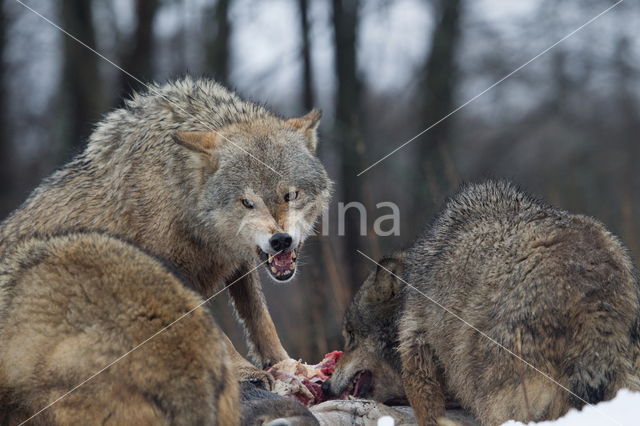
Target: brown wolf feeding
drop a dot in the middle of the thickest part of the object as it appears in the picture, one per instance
(555, 288)
(212, 203)
(72, 304)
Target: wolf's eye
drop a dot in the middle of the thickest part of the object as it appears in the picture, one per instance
(290, 196)
(350, 338)
(248, 203)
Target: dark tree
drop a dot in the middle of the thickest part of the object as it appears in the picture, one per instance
(320, 304)
(347, 133)
(138, 60)
(625, 132)
(5, 141)
(307, 76)
(218, 51)
(440, 77)
(81, 90)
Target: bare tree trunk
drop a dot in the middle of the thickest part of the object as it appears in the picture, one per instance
(347, 132)
(5, 141)
(217, 46)
(324, 300)
(307, 76)
(439, 84)
(81, 88)
(138, 60)
(628, 112)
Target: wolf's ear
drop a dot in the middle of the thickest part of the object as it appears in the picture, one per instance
(386, 282)
(308, 124)
(201, 142)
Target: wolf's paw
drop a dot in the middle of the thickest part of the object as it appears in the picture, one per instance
(256, 377)
(267, 363)
(270, 360)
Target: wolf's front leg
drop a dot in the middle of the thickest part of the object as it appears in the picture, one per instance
(420, 379)
(263, 340)
(245, 371)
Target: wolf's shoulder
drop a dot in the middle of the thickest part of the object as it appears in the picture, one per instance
(497, 213)
(200, 98)
(149, 117)
(88, 252)
(98, 246)
(492, 208)
(493, 197)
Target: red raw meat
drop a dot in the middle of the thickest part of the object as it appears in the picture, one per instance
(302, 381)
(328, 364)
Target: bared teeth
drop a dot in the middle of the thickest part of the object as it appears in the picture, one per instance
(294, 255)
(273, 269)
(270, 259)
(292, 266)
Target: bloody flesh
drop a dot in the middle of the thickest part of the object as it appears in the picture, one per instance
(302, 381)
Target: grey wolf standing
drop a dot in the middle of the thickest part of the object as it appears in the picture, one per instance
(557, 289)
(195, 175)
(72, 304)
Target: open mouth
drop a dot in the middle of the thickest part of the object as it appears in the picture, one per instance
(362, 384)
(281, 266)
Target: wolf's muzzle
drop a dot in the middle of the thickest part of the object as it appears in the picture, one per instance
(280, 241)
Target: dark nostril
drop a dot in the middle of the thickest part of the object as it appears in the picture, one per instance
(326, 387)
(280, 241)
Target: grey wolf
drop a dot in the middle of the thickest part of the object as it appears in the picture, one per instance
(198, 176)
(72, 304)
(556, 289)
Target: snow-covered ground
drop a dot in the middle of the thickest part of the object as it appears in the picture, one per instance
(623, 410)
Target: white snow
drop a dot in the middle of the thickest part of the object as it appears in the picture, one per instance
(386, 421)
(623, 410)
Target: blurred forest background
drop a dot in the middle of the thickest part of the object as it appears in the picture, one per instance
(566, 127)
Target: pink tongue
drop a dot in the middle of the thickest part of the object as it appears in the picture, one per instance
(364, 379)
(356, 388)
(282, 259)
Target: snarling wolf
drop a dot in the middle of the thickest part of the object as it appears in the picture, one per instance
(553, 288)
(210, 182)
(71, 305)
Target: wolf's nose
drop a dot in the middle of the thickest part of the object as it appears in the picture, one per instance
(280, 241)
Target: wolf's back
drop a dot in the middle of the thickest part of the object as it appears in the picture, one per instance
(557, 288)
(129, 158)
(80, 302)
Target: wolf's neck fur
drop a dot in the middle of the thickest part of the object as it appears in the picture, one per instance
(134, 181)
